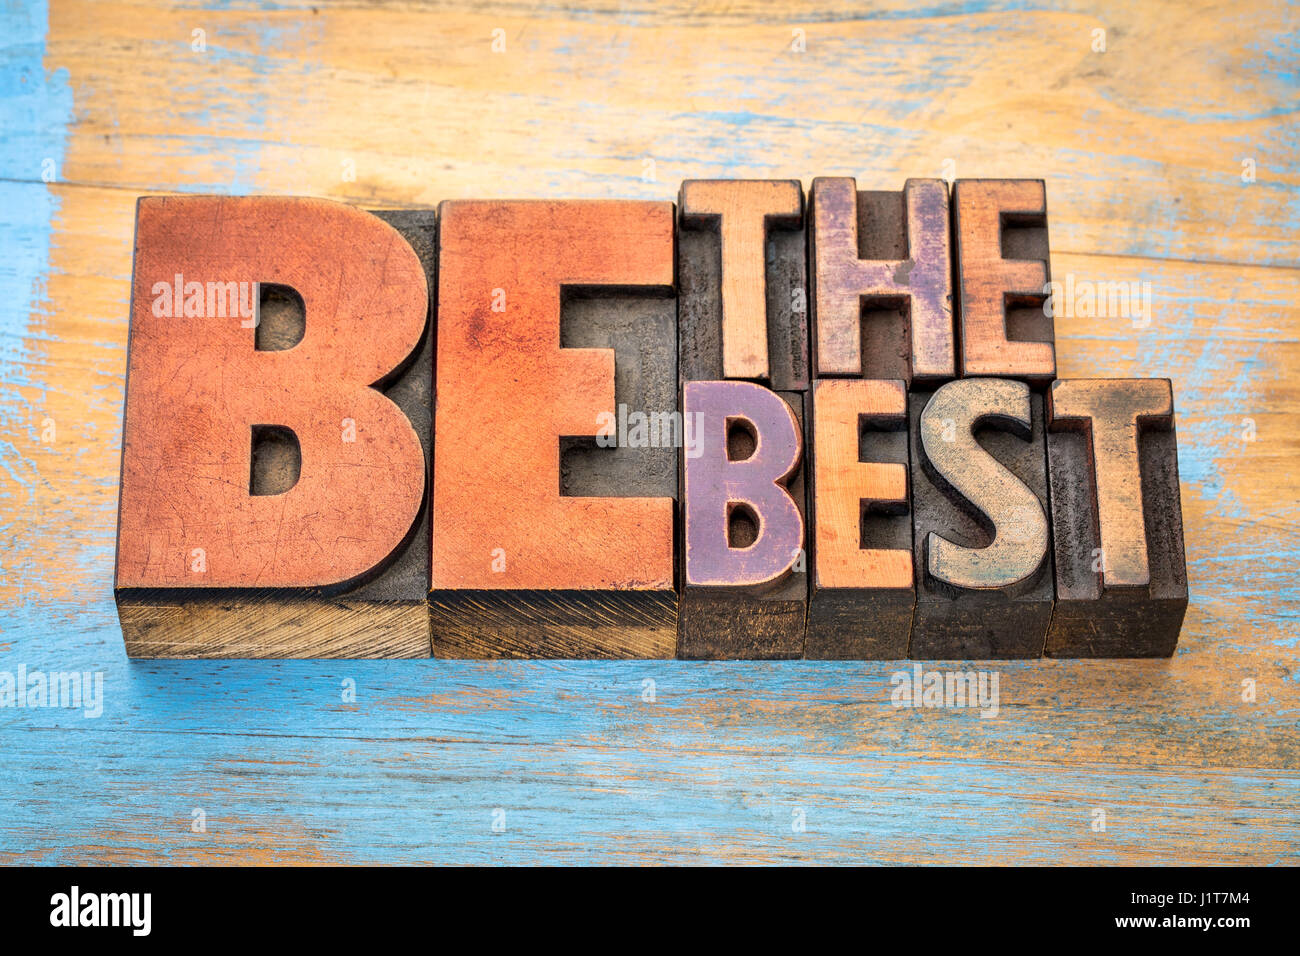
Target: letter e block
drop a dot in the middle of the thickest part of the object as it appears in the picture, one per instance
(1003, 269)
(862, 587)
(557, 337)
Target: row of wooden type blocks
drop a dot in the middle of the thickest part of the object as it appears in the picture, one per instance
(734, 428)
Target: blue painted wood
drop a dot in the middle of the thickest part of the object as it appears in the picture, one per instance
(620, 762)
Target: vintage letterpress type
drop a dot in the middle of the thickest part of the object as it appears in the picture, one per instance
(275, 431)
(982, 538)
(555, 473)
(1121, 575)
(744, 581)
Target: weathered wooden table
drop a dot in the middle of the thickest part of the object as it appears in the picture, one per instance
(1169, 143)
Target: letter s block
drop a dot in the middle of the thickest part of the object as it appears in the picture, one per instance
(744, 588)
(270, 494)
(557, 336)
(1121, 576)
(982, 539)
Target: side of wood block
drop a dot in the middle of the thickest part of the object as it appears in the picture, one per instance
(272, 625)
(553, 624)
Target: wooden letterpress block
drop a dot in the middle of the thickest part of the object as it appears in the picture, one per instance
(882, 281)
(982, 542)
(1003, 268)
(742, 282)
(556, 431)
(1117, 527)
(744, 586)
(270, 497)
(862, 594)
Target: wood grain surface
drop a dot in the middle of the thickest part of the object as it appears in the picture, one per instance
(1169, 159)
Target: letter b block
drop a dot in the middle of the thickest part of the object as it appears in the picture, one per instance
(270, 494)
(744, 589)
